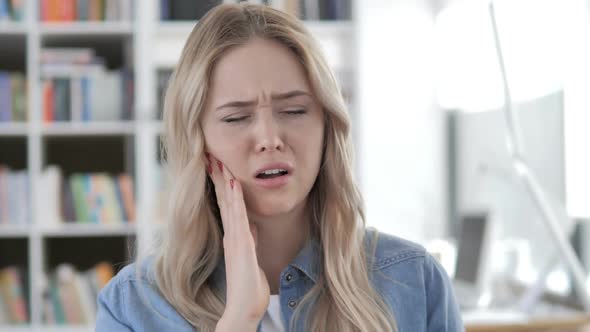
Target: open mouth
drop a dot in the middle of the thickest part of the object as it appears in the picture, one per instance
(272, 173)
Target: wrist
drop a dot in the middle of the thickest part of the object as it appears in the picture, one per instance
(231, 323)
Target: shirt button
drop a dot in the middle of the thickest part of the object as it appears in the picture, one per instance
(292, 304)
(289, 277)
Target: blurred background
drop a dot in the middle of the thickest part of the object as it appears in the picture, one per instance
(81, 180)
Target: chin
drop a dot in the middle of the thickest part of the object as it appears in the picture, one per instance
(269, 208)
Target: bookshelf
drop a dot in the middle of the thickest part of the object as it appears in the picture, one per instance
(146, 46)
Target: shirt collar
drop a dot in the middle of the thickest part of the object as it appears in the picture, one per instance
(308, 260)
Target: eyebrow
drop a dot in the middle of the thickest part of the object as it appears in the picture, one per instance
(278, 96)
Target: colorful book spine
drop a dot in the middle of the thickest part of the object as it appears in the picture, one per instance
(62, 99)
(83, 8)
(3, 195)
(12, 97)
(70, 296)
(79, 195)
(164, 10)
(14, 193)
(74, 10)
(17, 7)
(86, 93)
(11, 290)
(5, 97)
(125, 185)
(19, 97)
(4, 11)
(48, 101)
(58, 309)
(96, 12)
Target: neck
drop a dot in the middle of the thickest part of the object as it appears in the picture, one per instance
(280, 238)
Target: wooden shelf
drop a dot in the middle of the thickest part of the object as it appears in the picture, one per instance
(14, 328)
(64, 328)
(13, 28)
(46, 328)
(75, 229)
(12, 231)
(13, 128)
(86, 28)
(88, 128)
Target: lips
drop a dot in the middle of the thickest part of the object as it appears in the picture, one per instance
(276, 181)
(274, 166)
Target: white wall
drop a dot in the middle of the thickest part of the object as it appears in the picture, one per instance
(402, 158)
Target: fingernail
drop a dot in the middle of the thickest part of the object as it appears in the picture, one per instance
(220, 165)
(231, 183)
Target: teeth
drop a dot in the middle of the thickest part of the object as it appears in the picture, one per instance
(273, 171)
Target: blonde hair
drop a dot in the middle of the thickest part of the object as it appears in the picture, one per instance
(343, 298)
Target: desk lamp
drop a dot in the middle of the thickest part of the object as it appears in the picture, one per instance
(551, 217)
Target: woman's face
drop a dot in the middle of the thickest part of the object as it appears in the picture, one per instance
(260, 115)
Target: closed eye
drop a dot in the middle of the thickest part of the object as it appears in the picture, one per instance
(296, 112)
(238, 119)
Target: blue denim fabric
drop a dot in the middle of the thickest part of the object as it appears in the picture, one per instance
(412, 283)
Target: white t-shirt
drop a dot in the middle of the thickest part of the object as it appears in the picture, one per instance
(272, 321)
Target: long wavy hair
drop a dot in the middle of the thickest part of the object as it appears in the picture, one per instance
(343, 298)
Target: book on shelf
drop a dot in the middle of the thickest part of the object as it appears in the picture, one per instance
(11, 10)
(70, 296)
(13, 97)
(314, 10)
(85, 10)
(304, 9)
(76, 86)
(14, 196)
(185, 9)
(87, 198)
(13, 298)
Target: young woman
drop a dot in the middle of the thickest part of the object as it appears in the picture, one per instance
(266, 228)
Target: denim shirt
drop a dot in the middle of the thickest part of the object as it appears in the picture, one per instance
(412, 283)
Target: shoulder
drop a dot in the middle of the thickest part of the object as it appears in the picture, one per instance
(116, 294)
(132, 299)
(386, 250)
(402, 258)
(413, 283)
(140, 270)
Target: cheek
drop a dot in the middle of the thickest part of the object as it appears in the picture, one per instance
(308, 147)
(225, 145)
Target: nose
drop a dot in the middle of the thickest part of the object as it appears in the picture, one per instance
(268, 134)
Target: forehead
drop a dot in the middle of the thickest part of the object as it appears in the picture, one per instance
(260, 65)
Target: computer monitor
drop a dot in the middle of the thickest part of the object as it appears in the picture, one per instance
(473, 242)
(485, 175)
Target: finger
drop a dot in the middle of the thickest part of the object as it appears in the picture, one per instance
(225, 180)
(226, 175)
(218, 185)
(221, 175)
(215, 172)
(238, 206)
(232, 208)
